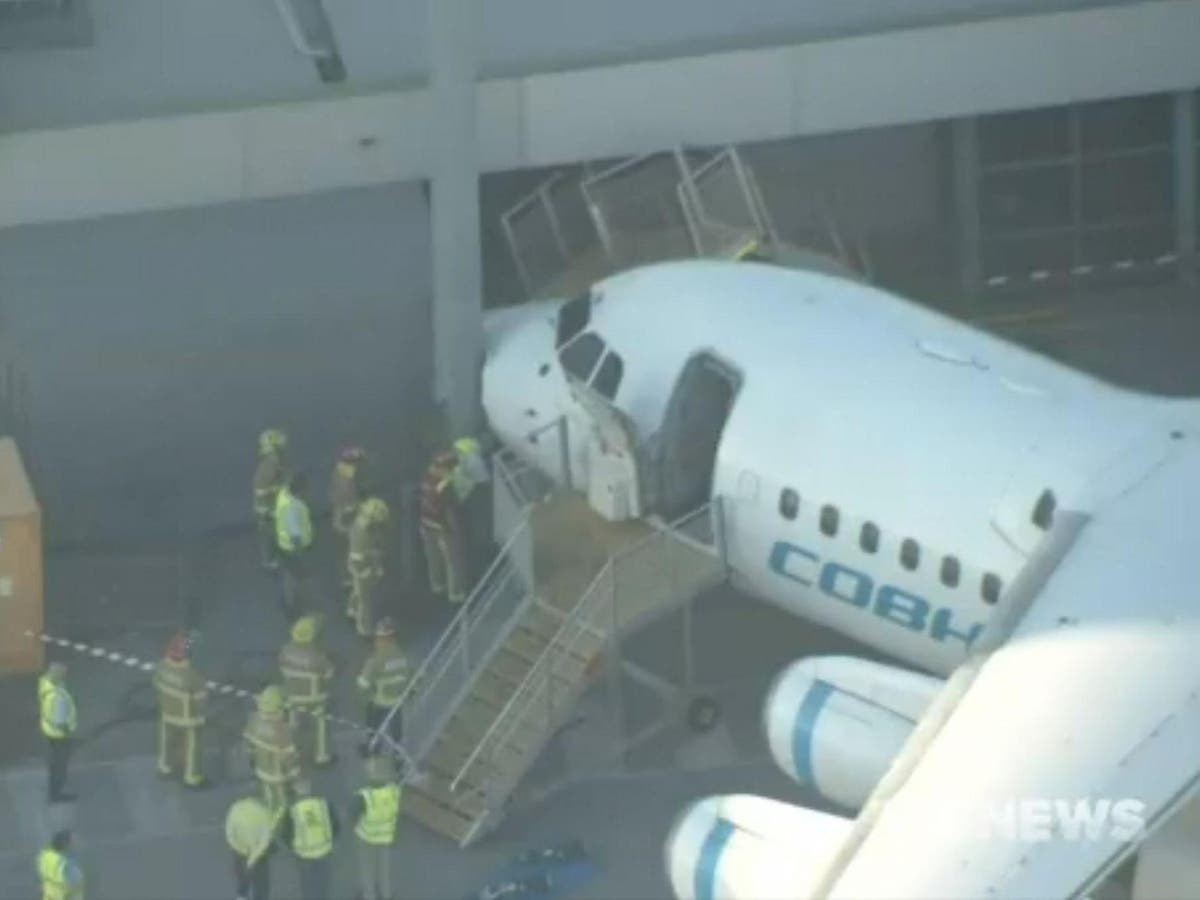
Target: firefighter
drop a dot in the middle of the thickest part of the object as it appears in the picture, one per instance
(182, 697)
(376, 811)
(249, 831)
(382, 680)
(272, 751)
(364, 562)
(310, 829)
(451, 477)
(269, 476)
(293, 538)
(56, 708)
(306, 671)
(346, 492)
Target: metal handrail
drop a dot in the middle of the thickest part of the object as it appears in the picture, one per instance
(576, 617)
(454, 628)
(531, 675)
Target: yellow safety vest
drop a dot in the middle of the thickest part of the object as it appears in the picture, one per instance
(283, 503)
(378, 822)
(48, 696)
(312, 829)
(52, 870)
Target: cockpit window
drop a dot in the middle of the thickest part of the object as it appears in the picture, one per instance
(608, 376)
(580, 356)
(573, 317)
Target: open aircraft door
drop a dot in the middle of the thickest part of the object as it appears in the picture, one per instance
(614, 487)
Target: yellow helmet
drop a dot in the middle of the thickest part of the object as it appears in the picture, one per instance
(465, 447)
(375, 510)
(271, 441)
(305, 630)
(270, 700)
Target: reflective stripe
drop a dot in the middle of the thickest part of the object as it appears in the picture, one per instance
(378, 822)
(312, 828)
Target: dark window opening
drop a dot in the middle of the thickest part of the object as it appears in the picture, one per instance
(580, 356)
(608, 376)
(910, 554)
(1043, 510)
(829, 520)
(950, 571)
(990, 588)
(868, 538)
(573, 317)
(789, 503)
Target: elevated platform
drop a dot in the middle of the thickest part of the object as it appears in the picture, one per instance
(509, 669)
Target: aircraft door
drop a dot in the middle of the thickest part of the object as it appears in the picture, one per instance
(614, 483)
(691, 434)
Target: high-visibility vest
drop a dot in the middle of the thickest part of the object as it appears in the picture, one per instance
(305, 672)
(378, 822)
(52, 870)
(285, 503)
(49, 695)
(311, 828)
(181, 694)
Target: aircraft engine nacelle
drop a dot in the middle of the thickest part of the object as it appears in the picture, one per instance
(750, 848)
(836, 723)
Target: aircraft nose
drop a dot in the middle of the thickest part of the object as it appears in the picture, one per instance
(521, 381)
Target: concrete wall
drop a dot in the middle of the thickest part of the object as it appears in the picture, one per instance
(900, 77)
(154, 57)
(158, 345)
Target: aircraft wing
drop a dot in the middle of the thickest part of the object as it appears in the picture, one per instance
(1093, 699)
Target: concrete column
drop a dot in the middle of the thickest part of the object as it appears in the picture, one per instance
(1185, 183)
(454, 211)
(965, 140)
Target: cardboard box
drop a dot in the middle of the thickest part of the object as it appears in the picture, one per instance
(21, 578)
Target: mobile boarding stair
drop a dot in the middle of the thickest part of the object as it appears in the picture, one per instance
(579, 226)
(507, 671)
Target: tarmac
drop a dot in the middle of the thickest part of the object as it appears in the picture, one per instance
(140, 836)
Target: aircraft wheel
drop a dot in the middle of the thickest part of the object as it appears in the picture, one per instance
(703, 714)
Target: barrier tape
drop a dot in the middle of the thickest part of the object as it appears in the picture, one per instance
(219, 688)
(1037, 276)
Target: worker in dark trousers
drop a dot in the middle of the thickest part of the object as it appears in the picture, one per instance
(250, 831)
(310, 829)
(56, 710)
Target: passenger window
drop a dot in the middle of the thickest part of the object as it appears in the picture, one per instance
(608, 376)
(581, 355)
(950, 571)
(1043, 510)
(990, 589)
(868, 538)
(789, 504)
(573, 317)
(910, 554)
(829, 520)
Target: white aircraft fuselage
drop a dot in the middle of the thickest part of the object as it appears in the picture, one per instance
(884, 470)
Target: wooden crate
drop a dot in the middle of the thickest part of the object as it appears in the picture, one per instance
(20, 566)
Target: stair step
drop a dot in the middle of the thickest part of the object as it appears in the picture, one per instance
(508, 667)
(429, 812)
(526, 644)
(451, 752)
(466, 801)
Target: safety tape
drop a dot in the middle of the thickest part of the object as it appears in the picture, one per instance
(1037, 276)
(221, 689)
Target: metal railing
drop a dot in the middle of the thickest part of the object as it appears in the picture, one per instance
(664, 569)
(464, 649)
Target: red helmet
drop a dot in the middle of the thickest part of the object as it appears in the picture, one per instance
(351, 454)
(177, 648)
